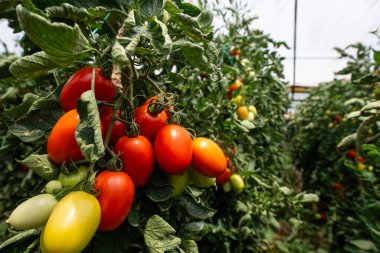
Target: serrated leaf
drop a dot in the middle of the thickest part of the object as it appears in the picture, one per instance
(5, 62)
(63, 43)
(30, 103)
(194, 54)
(211, 52)
(88, 133)
(364, 244)
(189, 246)
(171, 7)
(35, 125)
(32, 65)
(130, 20)
(119, 55)
(19, 237)
(159, 194)
(205, 19)
(159, 235)
(347, 142)
(159, 37)
(371, 106)
(194, 208)
(151, 8)
(135, 40)
(42, 166)
(190, 9)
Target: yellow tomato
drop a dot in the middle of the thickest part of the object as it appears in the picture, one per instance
(242, 112)
(252, 109)
(361, 166)
(237, 100)
(72, 224)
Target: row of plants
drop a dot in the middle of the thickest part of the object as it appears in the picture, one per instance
(335, 164)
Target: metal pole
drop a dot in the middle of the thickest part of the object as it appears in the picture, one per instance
(294, 46)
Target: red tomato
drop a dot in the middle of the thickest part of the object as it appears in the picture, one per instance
(233, 87)
(62, 146)
(225, 177)
(81, 82)
(208, 158)
(237, 52)
(24, 168)
(360, 159)
(149, 123)
(338, 186)
(116, 193)
(138, 158)
(173, 149)
(118, 129)
(351, 154)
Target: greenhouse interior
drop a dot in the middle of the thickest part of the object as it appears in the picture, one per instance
(184, 126)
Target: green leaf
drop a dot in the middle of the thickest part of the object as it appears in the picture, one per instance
(159, 235)
(88, 133)
(35, 125)
(4, 65)
(211, 52)
(195, 55)
(171, 7)
(159, 194)
(159, 37)
(135, 40)
(130, 20)
(190, 9)
(364, 244)
(347, 142)
(371, 106)
(189, 246)
(370, 215)
(194, 208)
(32, 65)
(376, 57)
(19, 237)
(63, 43)
(68, 11)
(165, 205)
(134, 216)
(151, 8)
(42, 166)
(119, 55)
(205, 19)
(23, 108)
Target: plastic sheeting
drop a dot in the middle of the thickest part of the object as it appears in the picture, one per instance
(321, 26)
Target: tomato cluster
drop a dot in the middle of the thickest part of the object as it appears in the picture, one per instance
(68, 211)
(243, 112)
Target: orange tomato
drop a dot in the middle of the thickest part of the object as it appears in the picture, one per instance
(208, 158)
(242, 112)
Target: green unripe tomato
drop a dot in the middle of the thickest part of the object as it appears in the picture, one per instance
(32, 213)
(237, 183)
(52, 186)
(227, 187)
(179, 182)
(73, 179)
(200, 180)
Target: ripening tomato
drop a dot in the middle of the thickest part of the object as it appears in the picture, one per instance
(81, 82)
(148, 122)
(237, 183)
(116, 193)
(32, 213)
(173, 149)
(138, 158)
(238, 83)
(338, 186)
(72, 224)
(242, 112)
(200, 180)
(360, 159)
(208, 158)
(118, 129)
(62, 145)
(179, 182)
(225, 177)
